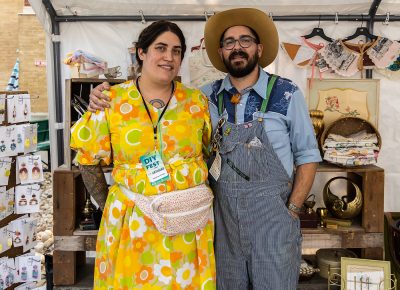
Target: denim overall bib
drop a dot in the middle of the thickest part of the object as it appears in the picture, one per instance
(257, 240)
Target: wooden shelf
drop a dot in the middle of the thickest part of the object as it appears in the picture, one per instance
(328, 167)
(352, 237)
(341, 239)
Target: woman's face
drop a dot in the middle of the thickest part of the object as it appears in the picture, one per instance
(163, 58)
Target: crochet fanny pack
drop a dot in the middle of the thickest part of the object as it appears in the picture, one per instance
(176, 212)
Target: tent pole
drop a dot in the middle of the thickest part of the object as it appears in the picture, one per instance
(55, 29)
(370, 24)
(75, 18)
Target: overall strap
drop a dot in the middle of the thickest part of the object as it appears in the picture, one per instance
(270, 86)
(220, 103)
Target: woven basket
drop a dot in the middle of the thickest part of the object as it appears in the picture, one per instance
(349, 125)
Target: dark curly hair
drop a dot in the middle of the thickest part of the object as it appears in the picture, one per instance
(151, 32)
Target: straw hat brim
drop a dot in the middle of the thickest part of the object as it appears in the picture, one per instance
(256, 19)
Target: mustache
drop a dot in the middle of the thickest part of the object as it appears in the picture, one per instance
(238, 53)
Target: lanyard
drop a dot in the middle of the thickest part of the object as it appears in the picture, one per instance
(147, 109)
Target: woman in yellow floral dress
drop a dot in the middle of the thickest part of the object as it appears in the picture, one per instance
(152, 114)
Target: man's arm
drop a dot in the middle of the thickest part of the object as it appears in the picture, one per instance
(98, 100)
(303, 181)
(95, 182)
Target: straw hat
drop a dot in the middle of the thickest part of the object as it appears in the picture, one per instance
(256, 19)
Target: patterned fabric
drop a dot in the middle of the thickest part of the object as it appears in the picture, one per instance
(347, 58)
(130, 252)
(278, 103)
(343, 61)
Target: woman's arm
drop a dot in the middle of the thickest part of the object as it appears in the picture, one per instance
(95, 182)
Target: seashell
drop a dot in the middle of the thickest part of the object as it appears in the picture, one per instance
(49, 242)
(45, 236)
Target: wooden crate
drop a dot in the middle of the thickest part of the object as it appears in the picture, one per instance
(68, 200)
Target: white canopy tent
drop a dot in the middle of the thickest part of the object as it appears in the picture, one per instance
(108, 27)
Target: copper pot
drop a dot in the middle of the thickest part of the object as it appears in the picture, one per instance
(328, 261)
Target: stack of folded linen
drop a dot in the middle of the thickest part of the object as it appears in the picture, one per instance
(360, 148)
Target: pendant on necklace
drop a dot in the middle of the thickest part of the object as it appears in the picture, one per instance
(235, 99)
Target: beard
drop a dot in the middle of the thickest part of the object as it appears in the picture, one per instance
(238, 71)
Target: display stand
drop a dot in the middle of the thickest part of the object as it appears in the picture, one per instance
(13, 251)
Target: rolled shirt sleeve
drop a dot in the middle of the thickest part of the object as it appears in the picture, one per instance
(301, 132)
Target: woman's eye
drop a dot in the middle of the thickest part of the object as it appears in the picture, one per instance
(177, 51)
(161, 48)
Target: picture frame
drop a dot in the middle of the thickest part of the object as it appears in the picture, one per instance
(345, 98)
(370, 274)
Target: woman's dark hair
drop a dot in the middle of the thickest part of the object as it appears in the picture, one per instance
(151, 32)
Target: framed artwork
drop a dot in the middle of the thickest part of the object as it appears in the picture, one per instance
(360, 274)
(338, 98)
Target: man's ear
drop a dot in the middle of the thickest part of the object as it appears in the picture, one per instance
(260, 48)
(220, 52)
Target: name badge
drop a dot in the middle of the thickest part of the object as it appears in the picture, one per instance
(215, 169)
(154, 167)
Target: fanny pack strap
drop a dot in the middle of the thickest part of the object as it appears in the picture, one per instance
(143, 202)
(151, 201)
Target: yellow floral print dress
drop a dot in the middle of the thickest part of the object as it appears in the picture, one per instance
(130, 252)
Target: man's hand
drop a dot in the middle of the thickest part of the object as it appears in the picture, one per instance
(99, 101)
(294, 214)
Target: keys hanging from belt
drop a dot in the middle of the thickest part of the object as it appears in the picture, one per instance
(217, 137)
(215, 168)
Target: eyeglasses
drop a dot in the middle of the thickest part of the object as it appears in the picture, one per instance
(244, 41)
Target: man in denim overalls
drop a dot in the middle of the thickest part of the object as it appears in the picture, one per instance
(262, 131)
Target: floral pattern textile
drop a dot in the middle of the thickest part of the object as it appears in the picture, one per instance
(130, 252)
(347, 58)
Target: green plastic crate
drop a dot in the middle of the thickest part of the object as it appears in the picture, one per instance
(43, 130)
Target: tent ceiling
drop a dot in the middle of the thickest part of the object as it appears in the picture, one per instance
(198, 7)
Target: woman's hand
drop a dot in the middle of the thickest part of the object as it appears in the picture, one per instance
(98, 100)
